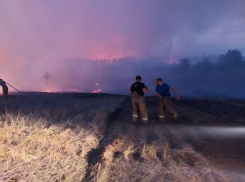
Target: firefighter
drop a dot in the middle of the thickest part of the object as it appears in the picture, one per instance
(162, 91)
(138, 89)
(5, 88)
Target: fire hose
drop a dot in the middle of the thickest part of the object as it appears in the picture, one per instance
(15, 88)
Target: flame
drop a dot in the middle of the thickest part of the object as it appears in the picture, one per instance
(97, 91)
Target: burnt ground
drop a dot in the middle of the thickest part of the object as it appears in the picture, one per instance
(215, 129)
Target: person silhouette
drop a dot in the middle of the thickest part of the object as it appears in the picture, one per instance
(5, 88)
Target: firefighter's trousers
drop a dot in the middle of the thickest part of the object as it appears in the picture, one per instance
(139, 106)
(165, 104)
(5, 92)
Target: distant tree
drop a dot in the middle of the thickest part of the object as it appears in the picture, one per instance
(184, 64)
(233, 58)
(204, 65)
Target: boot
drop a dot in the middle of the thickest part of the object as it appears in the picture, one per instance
(144, 121)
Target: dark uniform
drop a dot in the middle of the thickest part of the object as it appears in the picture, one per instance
(165, 101)
(5, 88)
(138, 101)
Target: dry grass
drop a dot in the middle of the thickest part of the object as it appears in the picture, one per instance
(130, 150)
(50, 142)
(157, 163)
(130, 159)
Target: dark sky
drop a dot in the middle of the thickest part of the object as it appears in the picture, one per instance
(36, 35)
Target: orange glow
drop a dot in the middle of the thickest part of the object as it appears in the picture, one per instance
(59, 90)
(115, 50)
(97, 91)
(172, 60)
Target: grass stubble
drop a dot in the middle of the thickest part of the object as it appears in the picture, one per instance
(155, 162)
(51, 141)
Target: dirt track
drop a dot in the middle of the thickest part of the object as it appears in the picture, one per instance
(203, 124)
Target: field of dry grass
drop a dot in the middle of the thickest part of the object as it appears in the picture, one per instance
(150, 153)
(154, 162)
(91, 138)
(47, 139)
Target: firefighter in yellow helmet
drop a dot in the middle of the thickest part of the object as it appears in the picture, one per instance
(138, 89)
(163, 92)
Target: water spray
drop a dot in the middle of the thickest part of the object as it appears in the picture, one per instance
(214, 131)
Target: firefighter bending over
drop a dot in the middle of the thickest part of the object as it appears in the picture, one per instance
(138, 89)
(5, 88)
(162, 91)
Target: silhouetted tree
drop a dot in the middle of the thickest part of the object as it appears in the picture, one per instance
(233, 58)
(184, 64)
(204, 65)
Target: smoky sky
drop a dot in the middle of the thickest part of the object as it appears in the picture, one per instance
(37, 36)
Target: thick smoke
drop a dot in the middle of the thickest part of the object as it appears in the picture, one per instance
(61, 37)
(221, 78)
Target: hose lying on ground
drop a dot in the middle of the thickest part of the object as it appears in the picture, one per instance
(15, 88)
